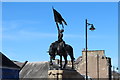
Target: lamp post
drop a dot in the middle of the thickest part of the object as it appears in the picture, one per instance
(113, 73)
(117, 72)
(92, 28)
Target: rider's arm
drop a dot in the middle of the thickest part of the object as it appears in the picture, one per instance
(58, 28)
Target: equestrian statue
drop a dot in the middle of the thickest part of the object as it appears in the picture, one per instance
(59, 47)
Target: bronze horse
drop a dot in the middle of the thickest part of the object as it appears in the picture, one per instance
(61, 49)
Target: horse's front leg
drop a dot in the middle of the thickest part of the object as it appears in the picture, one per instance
(60, 62)
(65, 58)
(51, 61)
(51, 64)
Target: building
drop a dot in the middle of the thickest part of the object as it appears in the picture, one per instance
(115, 75)
(99, 66)
(8, 69)
(34, 71)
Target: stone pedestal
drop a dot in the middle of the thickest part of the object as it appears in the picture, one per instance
(64, 74)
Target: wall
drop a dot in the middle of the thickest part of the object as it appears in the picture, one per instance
(98, 66)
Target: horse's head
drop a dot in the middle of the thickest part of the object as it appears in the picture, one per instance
(52, 51)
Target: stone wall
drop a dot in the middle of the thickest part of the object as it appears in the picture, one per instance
(65, 74)
(98, 64)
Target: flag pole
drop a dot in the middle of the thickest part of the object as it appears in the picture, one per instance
(62, 26)
(57, 26)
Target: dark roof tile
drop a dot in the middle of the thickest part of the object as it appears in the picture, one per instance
(6, 62)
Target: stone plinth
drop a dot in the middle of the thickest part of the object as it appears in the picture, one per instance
(65, 74)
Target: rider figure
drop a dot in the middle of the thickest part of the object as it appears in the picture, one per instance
(60, 35)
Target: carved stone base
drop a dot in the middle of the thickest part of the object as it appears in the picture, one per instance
(65, 74)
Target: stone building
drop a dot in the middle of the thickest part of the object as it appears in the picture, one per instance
(99, 66)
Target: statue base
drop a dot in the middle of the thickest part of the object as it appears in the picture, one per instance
(65, 74)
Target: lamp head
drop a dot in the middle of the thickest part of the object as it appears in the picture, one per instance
(92, 28)
(117, 68)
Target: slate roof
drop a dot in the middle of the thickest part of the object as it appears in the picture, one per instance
(35, 70)
(20, 64)
(78, 60)
(6, 62)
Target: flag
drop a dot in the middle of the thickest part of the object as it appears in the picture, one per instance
(58, 18)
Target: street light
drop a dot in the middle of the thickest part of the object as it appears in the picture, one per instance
(117, 72)
(91, 28)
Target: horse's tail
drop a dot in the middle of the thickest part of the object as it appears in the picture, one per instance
(69, 50)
